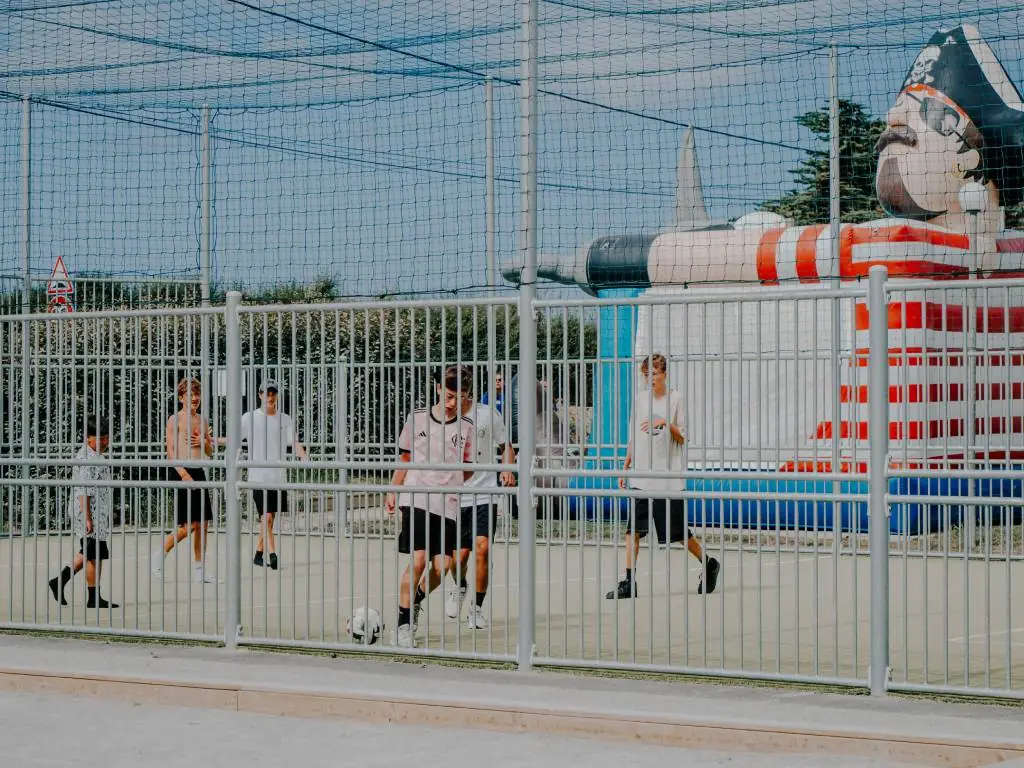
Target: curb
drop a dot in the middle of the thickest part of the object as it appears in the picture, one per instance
(608, 724)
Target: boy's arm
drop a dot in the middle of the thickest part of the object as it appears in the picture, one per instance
(397, 478)
(87, 506)
(508, 456)
(675, 428)
(209, 442)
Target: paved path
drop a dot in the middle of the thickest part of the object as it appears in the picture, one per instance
(113, 734)
(275, 705)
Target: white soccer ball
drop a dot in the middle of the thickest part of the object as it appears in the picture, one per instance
(365, 626)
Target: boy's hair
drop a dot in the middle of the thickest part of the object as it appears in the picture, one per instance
(455, 378)
(96, 426)
(187, 384)
(657, 361)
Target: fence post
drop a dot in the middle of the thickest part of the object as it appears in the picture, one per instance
(527, 333)
(878, 506)
(26, 301)
(233, 619)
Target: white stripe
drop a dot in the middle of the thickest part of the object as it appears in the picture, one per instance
(785, 253)
(823, 254)
(896, 252)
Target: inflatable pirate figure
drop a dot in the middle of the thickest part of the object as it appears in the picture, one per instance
(957, 118)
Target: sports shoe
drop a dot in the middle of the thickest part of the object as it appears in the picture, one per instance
(200, 575)
(272, 561)
(475, 618)
(453, 602)
(58, 591)
(257, 559)
(710, 576)
(100, 602)
(404, 636)
(623, 591)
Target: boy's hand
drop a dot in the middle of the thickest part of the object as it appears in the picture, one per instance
(508, 479)
(389, 502)
(186, 476)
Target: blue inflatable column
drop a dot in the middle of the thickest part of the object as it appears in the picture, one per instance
(613, 382)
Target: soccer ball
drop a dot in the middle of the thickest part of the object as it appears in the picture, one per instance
(365, 626)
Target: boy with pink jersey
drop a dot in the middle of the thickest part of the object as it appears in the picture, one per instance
(438, 435)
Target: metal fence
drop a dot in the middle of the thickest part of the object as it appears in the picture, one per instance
(862, 541)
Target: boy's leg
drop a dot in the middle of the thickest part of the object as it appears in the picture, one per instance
(173, 538)
(197, 541)
(90, 574)
(57, 583)
(271, 545)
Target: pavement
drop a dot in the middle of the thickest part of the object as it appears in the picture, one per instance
(164, 703)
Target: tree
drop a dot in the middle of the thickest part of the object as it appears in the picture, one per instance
(809, 203)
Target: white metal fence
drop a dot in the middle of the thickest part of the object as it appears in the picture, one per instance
(857, 546)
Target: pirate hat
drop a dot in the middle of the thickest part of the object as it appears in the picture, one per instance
(959, 64)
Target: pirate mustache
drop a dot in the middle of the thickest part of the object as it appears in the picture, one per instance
(902, 134)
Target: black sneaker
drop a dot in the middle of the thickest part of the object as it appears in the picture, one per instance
(257, 559)
(272, 561)
(623, 591)
(100, 603)
(58, 591)
(711, 575)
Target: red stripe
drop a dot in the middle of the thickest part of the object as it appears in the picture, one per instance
(767, 269)
(935, 358)
(933, 316)
(807, 253)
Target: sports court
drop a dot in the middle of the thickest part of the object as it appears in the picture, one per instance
(776, 612)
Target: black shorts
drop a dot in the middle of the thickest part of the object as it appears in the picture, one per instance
(87, 546)
(424, 531)
(269, 501)
(192, 505)
(674, 526)
(476, 521)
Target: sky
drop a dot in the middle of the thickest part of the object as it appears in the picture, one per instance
(348, 138)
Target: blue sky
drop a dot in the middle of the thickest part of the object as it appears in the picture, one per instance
(349, 137)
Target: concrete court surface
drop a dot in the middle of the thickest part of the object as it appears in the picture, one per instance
(775, 612)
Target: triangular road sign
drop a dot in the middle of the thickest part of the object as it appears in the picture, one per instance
(60, 281)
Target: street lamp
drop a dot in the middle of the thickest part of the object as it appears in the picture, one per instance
(973, 197)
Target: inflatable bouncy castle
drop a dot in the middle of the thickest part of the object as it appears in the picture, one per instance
(756, 376)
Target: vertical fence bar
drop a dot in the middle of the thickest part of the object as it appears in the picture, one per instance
(233, 343)
(527, 332)
(878, 436)
(26, 301)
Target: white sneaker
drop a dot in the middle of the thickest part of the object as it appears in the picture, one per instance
(453, 602)
(475, 618)
(199, 575)
(404, 636)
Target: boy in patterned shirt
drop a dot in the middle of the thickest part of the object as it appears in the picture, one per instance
(92, 516)
(441, 434)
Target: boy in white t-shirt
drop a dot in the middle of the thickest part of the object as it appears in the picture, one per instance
(440, 434)
(478, 513)
(269, 434)
(656, 440)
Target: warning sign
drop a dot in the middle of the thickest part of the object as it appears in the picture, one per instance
(60, 289)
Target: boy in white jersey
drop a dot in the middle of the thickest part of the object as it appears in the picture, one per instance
(440, 434)
(269, 433)
(478, 512)
(656, 441)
